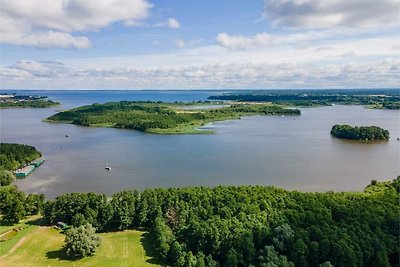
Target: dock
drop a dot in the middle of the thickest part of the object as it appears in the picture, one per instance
(37, 162)
(25, 171)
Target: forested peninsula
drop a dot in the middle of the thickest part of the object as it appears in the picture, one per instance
(363, 133)
(162, 118)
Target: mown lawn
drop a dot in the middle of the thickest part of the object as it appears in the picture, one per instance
(7, 245)
(26, 226)
(43, 247)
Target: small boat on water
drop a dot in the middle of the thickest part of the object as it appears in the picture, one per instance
(66, 135)
(108, 168)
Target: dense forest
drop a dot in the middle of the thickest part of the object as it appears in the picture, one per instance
(159, 117)
(387, 99)
(249, 225)
(13, 156)
(364, 133)
(15, 205)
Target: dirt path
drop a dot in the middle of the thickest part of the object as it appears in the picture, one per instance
(3, 234)
(14, 248)
(21, 242)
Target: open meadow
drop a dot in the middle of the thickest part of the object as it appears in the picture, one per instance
(42, 246)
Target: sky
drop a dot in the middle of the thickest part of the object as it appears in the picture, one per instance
(178, 44)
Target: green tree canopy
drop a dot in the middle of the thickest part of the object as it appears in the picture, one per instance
(366, 133)
(6, 177)
(13, 156)
(82, 241)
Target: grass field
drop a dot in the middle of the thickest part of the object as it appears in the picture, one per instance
(26, 227)
(42, 246)
(4, 226)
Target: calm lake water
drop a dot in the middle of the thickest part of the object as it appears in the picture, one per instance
(289, 152)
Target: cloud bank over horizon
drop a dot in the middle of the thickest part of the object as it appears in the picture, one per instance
(212, 76)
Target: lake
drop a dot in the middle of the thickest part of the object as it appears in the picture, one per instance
(289, 152)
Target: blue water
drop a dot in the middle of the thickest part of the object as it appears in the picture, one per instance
(76, 98)
(264, 150)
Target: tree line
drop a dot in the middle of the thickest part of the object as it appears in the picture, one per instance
(15, 205)
(248, 225)
(27, 102)
(379, 98)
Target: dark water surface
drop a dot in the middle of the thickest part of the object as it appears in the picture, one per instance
(293, 153)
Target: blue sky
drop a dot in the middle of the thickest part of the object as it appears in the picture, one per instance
(140, 44)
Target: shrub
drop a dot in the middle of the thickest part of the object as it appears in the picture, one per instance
(81, 241)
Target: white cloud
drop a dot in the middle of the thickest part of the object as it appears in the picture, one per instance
(133, 23)
(75, 15)
(49, 23)
(50, 69)
(395, 47)
(326, 14)
(32, 74)
(289, 49)
(170, 23)
(322, 48)
(185, 43)
(48, 39)
(309, 46)
(239, 42)
(173, 23)
(348, 54)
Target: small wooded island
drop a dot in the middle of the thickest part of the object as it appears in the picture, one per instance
(25, 101)
(163, 118)
(363, 133)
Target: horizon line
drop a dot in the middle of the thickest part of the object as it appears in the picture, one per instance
(206, 89)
